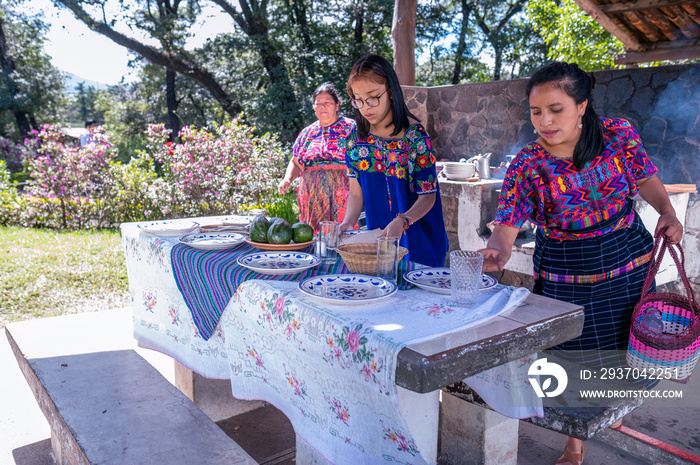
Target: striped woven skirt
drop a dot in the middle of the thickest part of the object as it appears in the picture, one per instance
(322, 194)
(604, 274)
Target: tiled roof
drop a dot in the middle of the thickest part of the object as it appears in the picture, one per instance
(652, 30)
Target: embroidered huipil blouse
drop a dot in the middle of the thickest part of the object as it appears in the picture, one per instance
(552, 193)
(392, 174)
(317, 145)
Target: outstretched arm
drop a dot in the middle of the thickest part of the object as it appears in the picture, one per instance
(653, 192)
(499, 247)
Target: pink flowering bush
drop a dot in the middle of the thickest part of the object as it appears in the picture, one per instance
(69, 179)
(216, 172)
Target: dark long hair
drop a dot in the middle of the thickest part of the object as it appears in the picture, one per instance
(573, 81)
(379, 70)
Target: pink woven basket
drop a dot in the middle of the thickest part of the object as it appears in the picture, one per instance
(674, 353)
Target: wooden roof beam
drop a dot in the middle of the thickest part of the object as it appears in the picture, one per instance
(676, 50)
(634, 5)
(604, 20)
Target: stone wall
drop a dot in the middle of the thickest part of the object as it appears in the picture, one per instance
(662, 103)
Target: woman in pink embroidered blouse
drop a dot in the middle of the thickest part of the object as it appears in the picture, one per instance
(575, 182)
(319, 161)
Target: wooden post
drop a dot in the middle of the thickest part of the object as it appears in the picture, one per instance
(403, 38)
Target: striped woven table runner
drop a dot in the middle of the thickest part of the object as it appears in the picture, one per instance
(207, 279)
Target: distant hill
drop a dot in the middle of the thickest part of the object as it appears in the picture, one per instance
(72, 82)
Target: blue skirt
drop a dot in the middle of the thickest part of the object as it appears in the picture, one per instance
(609, 302)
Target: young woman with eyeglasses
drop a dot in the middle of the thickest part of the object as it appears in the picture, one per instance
(391, 165)
(318, 160)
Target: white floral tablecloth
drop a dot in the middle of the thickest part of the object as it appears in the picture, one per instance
(329, 368)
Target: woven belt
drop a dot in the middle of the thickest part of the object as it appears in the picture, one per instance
(595, 278)
(558, 234)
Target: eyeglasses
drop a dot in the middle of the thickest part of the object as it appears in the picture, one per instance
(323, 104)
(370, 101)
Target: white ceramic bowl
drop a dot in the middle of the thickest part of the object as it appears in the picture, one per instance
(466, 170)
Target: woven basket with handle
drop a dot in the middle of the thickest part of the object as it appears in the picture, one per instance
(673, 353)
(362, 258)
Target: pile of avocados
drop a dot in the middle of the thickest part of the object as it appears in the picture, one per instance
(278, 231)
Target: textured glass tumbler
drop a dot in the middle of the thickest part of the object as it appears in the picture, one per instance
(327, 241)
(465, 273)
(388, 258)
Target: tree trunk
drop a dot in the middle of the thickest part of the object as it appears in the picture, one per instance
(179, 64)
(498, 52)
(359, 25)
(23, 125)
(462, 44)
(253, 22)
(171, 99)
(403, 37)
(299, 19)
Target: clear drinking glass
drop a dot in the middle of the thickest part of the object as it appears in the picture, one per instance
(388, 258)
(327, 241)
(465, 273)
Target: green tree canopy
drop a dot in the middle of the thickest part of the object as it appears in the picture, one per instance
(572, 35)
(31, 89)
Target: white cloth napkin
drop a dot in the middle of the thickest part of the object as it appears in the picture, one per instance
(365, 237)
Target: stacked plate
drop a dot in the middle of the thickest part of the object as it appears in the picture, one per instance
(458, 171)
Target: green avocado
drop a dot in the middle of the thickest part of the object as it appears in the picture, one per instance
(258, 229)
(302, 232)
(280, 232)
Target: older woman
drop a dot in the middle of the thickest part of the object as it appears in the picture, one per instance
(576, 182)
(319, 161)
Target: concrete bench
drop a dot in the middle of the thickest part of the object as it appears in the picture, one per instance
(105, 404)
(494, 434)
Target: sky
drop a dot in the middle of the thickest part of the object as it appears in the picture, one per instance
(76, 49)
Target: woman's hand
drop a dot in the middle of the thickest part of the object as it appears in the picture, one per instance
(499, 247)
(674, 228)
(654, 193)
(293, 172)
(494, 259)
(283, 186)
(342, 227)
(394, 229)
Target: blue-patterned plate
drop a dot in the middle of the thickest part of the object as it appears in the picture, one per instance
(213, 241)
(439, 280)
(348, 288)
(279, 262)
(169, 227)
(352, 232)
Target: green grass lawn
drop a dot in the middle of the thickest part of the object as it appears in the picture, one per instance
(47, 273)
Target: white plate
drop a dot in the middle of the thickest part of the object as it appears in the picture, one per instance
(169, 227)
(213, 241)
(279, 262)
(457, 177)
(235, 220)
(439, 280)
(348, 288)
